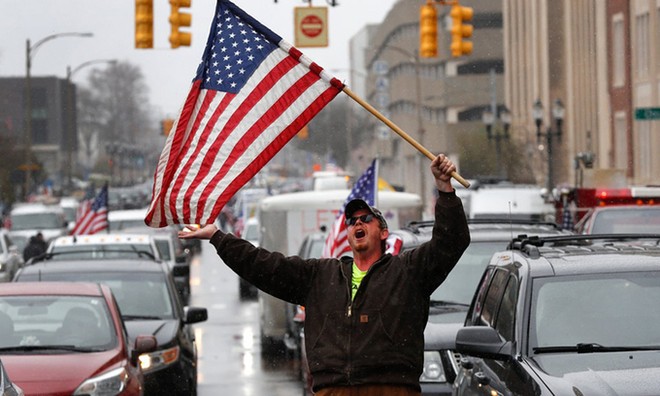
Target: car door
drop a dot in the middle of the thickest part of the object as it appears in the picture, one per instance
(495, 306)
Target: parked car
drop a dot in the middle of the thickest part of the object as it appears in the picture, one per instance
(11, 258)
(7, 387)
(570, 315)
(621, 219)
(60, 338)
(450, 301)
(149, 303)
(27, 219)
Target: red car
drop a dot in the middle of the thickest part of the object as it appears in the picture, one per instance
(66, 338)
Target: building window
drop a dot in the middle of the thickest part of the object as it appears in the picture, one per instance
(645, 151)
(618, 52)
(642, 47)
(620, 141)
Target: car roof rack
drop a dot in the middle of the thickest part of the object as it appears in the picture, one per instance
(531, 244)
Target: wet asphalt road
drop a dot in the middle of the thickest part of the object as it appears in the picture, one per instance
(230, 360)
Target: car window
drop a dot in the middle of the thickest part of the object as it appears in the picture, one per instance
(251, 232)
(493, 297)
(507, 313)
(76, 321)
(475, 309)
(608, 309)
(164, 249)
(101, 251)
(460, 283)
(137, 293)
(44, 220)
(626, 221)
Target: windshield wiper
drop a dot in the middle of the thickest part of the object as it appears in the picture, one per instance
(29, 348)
(140, 317)
(594, 348)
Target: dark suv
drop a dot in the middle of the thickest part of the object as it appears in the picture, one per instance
(570, 315)
(149, 304)
(450, 301)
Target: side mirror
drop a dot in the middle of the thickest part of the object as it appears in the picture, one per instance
(484, 342)
(142, 344)
(195, 315)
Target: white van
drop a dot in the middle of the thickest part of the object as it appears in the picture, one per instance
(286, 219)
(510, 201)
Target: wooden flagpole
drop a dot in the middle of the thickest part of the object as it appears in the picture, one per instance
(401, 133)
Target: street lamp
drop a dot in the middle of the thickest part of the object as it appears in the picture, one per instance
(489, 120)
(71, 118)
(30, 51)
(558, 115)
(420, 126)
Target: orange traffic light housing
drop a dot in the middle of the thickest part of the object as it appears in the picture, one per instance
(460, 30)
(144, 23)
(428, 31)
(177, 20)
(166, 126)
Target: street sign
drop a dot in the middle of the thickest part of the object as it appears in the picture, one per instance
(311, 26)
(647, 113)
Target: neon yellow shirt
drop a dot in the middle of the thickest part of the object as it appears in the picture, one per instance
(357, 277)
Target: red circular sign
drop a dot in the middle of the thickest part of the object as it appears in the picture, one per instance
(311, 26)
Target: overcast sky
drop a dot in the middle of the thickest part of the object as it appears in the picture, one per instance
(168, 72)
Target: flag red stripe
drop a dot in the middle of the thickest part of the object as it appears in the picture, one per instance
(273, 148)
(234, 120)
(158, 196)
(203, 138)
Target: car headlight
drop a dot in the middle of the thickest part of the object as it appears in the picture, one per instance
(3, 267)
(159, 359)
(433, 371)
(108, 384)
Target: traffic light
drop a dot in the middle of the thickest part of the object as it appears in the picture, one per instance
(177, 20)
(144, 23)
(428, 31)
(460, 30)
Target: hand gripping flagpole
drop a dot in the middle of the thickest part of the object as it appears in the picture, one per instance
(401, 133)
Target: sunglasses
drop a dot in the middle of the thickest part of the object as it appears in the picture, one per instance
(364, 218)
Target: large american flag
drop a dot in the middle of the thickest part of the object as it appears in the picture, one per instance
(366, 188)
(92, 214)
(252, 93)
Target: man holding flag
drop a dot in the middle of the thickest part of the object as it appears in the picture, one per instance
(366, 314)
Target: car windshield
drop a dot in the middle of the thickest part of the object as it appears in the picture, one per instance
(32, 324)
(627, 221)
(103, 251)
(463, 279)
(34, 221)
(139, 294)
(609, 310)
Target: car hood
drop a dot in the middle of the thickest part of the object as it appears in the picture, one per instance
(56, 373)
(164, 330)
(612, 373)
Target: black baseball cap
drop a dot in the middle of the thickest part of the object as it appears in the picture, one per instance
(357, 204)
